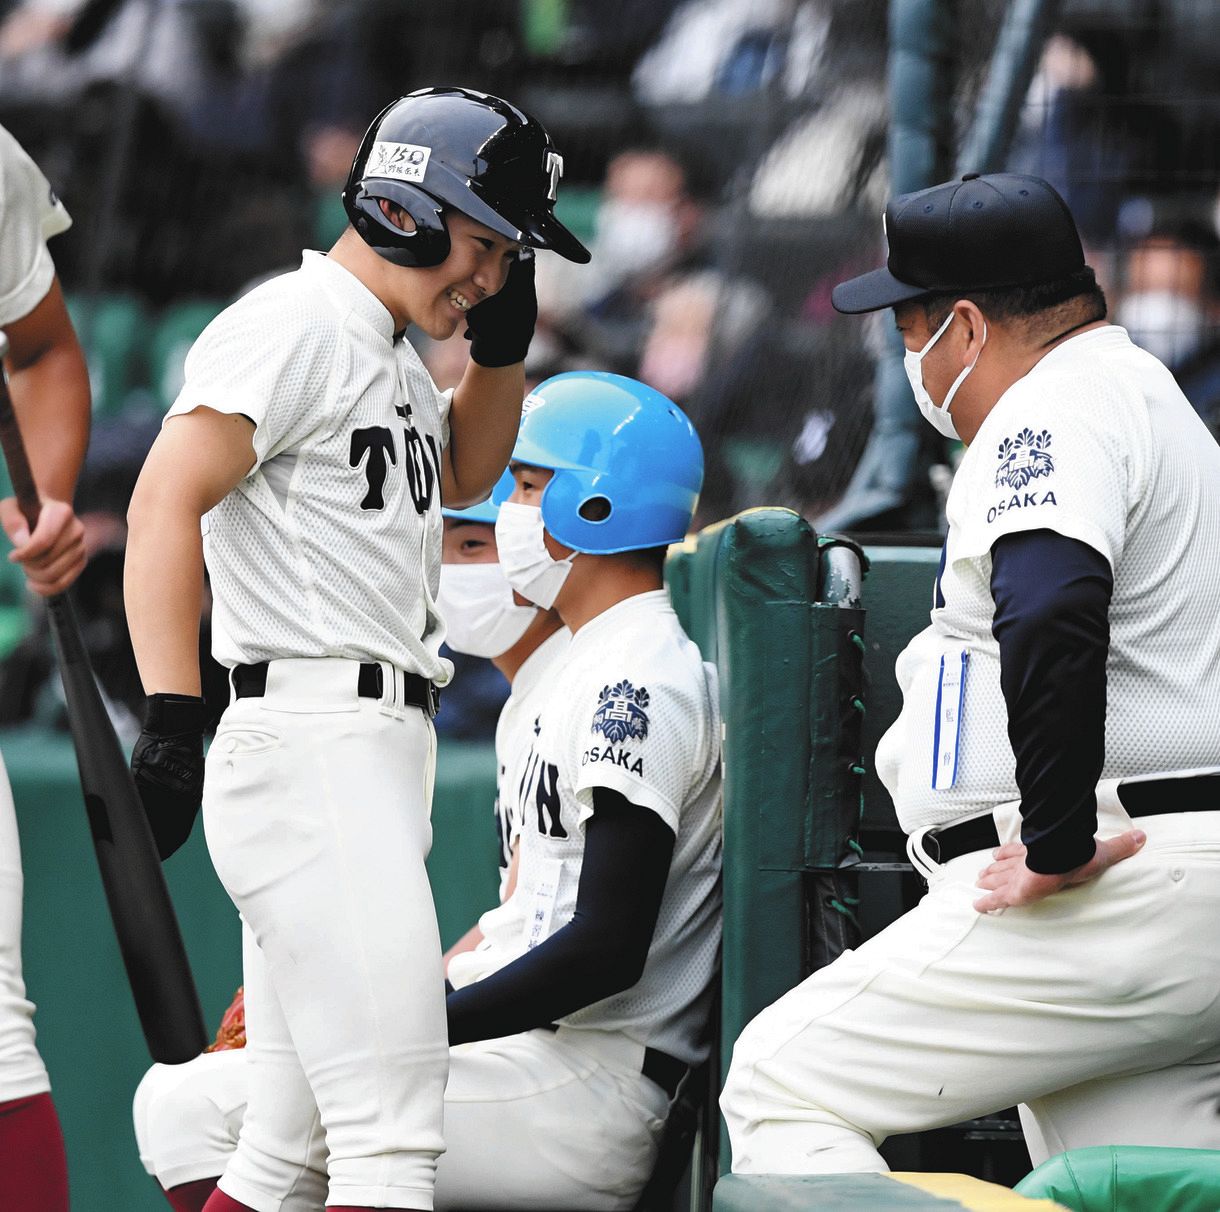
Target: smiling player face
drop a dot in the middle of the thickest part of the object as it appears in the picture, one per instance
(438, 298)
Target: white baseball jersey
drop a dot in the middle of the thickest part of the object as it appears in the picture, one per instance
(1098, 443)
(633, 708)
(331, 546)
(30, 214)
(515, 736)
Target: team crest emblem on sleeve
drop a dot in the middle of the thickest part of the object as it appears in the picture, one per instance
(620, 713)
(1024, 458)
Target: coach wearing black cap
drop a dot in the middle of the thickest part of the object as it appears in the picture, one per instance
(1054, 763)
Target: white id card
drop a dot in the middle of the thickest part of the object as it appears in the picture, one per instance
(537, 926)
(948, 731)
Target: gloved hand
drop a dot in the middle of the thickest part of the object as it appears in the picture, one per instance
(167, 763)
(500, 328)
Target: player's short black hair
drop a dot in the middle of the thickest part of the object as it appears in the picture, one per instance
(1075, 296)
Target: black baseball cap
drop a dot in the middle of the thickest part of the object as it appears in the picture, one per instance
(979, 233)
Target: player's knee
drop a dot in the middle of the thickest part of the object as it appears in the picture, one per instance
(177, 1119)
(737, 1083)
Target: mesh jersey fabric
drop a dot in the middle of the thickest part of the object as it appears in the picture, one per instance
(1098, 443)
(30, 214)
(331, 545)
(515, 734)
(635, 709)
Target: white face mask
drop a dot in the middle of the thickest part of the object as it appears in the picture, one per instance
(481, 618)
(523, 555)
(937, 415)
(1168, 325)
(633, 237)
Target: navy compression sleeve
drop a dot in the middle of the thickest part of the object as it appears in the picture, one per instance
(601, 951)
(1052, 599)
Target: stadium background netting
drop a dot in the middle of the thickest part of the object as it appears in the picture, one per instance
(725, 158)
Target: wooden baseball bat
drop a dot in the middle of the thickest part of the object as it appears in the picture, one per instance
(140, 906)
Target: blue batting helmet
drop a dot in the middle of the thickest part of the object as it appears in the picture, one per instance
(485, 511)
(628, 464)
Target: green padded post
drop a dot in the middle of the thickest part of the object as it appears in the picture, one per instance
(746, 592)
(1128, 1178)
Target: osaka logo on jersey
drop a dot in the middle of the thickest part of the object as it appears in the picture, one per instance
(620, 713)
(1024, 458)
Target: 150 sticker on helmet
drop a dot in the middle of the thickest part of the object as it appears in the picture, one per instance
(399, 161)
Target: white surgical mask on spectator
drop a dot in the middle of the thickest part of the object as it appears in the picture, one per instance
(633, 237)
(529, 567)
(912, 362)
(481, 618)
(1168, 325)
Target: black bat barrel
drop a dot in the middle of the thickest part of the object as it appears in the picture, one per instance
(147, 929)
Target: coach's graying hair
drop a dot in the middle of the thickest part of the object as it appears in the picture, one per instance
(1069, 301)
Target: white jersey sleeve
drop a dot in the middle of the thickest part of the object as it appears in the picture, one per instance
(631, 732)
(30, 214)
(282, 386)
(1066, 450)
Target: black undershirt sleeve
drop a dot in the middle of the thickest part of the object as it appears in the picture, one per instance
(1052, 600)
(601, 951)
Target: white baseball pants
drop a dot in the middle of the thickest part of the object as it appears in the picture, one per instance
(1098, 1009)
(22, 1072)
(316, 808)
(535, 1121)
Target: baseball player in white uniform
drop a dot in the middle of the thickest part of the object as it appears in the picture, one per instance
(524, 643)
(314, 447)
(50, 390)
(576, 1016)
(1054, 760)
(187, 1117)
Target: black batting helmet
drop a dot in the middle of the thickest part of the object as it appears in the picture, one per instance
(454, 147)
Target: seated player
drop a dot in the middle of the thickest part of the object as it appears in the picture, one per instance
(573, 1020)
(524, 643)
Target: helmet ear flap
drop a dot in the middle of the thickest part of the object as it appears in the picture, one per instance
(427, 245)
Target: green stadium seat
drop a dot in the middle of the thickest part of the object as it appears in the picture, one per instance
(111, 329)
(576, 209)
(171, 340)
(1129, 1178)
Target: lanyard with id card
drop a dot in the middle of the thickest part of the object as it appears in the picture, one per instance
(946, 737)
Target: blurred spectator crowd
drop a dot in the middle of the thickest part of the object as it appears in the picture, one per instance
(725, 159)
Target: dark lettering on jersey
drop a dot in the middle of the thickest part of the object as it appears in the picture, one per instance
(422, 473)
(938, 593)
(616, 757)
(502, 827)
(540, 784)
(1020, 500)
(373, 446)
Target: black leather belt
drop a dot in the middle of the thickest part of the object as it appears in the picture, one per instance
(1145, 797)
(250, 682)
(667, 1071)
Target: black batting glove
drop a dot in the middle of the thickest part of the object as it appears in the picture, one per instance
(500, 328)
(167, 764)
